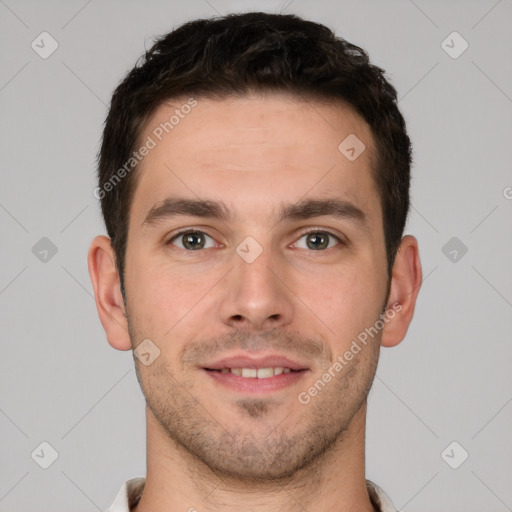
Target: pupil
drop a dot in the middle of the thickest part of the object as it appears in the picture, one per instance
(317, 241)
(191, 239)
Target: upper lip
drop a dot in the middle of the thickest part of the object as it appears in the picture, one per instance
(244, 361)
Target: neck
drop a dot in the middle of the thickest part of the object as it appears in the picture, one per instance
(176, 480)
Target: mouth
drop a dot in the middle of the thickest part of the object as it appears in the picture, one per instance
(255, 373)
(262, 375)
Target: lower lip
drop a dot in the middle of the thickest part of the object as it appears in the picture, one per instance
(255, 385)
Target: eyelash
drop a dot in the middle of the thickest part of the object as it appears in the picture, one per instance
(304, 233)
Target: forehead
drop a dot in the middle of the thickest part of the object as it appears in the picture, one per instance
(254, 150)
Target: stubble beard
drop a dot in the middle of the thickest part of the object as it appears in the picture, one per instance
(258, 448)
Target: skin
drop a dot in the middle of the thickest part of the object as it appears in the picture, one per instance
(214, 448)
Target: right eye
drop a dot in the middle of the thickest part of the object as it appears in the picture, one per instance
(192, 240)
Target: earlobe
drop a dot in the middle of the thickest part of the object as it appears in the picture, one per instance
(107, 292)
(405, 286)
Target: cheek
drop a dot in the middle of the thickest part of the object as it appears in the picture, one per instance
(151, 293)
(166, 300)
(347, 302)
(159, 286)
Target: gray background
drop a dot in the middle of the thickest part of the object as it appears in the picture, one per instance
(450, 379)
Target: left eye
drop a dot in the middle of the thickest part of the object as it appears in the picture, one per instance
(317, 240)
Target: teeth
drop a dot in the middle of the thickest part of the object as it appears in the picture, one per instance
(263, 373)
(259, 373)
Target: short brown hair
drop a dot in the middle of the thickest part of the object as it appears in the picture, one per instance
(250, 52)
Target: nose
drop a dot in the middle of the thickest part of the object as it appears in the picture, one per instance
(256, 296)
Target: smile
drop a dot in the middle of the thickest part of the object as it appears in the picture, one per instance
(256, 373)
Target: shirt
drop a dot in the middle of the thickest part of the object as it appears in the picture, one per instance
(131, 491)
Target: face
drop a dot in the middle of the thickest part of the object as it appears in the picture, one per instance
(255, 258)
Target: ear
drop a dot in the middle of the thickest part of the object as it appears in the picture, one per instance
(107, 292)
(405, 285)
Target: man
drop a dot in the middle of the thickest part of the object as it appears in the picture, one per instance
(254, 181)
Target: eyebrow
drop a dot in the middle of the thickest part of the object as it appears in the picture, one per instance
(304, 209)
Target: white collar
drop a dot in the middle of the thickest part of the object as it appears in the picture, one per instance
(131, 491)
